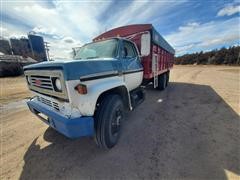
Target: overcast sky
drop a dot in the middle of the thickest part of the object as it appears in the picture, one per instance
(189, 26)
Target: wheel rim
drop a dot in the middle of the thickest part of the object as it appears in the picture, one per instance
(116, 122)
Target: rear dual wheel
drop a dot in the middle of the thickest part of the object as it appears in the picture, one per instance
(163, 81)
(108, 121)
(167, 74)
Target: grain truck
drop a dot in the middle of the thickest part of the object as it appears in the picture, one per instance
(90, 94)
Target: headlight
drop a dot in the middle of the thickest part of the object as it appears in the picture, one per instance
(58, 84)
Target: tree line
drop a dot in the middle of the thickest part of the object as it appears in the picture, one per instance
(224, 55)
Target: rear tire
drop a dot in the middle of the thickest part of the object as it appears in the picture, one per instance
(162, 79)
(108, 121)
(168, 74)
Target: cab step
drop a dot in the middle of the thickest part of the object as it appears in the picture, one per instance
(137, 97)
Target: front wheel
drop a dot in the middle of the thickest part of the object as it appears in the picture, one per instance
(108, 118)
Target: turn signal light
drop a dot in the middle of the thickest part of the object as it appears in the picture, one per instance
(81, 88)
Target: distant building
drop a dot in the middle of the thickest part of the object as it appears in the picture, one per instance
(5, 47)
(33, 47)
(38, 47)
(21, 47)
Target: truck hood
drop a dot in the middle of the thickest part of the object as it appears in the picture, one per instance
(74, 69)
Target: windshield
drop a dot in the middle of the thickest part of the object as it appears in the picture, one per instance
(102, 49)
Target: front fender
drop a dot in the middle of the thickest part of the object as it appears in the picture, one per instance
(87, 103)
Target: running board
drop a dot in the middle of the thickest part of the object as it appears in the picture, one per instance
(137, 97)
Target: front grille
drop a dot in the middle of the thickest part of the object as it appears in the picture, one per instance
(50, 103)
(44, 82)
(41, 81)
(55, 105)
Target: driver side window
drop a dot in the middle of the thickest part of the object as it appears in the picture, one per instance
(128, 50)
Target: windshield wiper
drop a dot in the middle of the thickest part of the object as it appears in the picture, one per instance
(92, 57)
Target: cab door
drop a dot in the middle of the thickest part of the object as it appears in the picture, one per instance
(132, 67)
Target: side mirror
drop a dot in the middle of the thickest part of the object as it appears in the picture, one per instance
(145, 44)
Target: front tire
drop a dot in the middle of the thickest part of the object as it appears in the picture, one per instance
(108, 118)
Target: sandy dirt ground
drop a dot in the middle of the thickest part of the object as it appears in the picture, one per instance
(191, 130)
(13, 89)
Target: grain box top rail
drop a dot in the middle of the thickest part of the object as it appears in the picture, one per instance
(128, 30)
